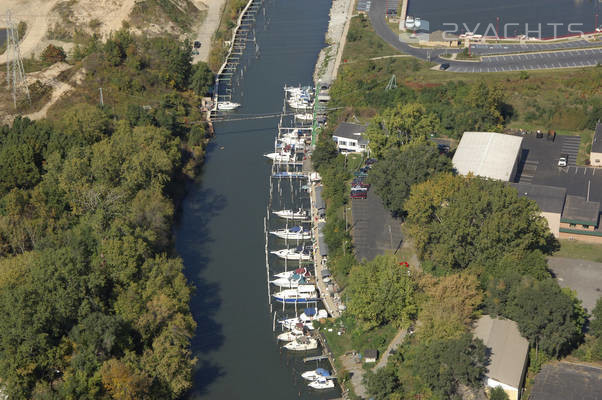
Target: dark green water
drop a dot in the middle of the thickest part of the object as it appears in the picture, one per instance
(220, 233)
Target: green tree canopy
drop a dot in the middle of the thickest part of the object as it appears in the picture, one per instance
(380, 292)
(399, 169)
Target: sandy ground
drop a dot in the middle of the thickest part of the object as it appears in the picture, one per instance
(208, 26)
(48, 77)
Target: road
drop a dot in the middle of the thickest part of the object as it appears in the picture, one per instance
(494, 59)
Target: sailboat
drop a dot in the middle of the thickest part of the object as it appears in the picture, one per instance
(287, 274)
(290, 214)
(227, 105)
(296, 232)
(290, 282)
(301, 294)
(306, 318)
(297, 254)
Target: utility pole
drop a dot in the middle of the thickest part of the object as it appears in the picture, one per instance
(15, 74)
(102, 103)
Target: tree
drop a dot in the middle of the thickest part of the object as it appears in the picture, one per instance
(399, 169)
(452, 301)
(398, 126)
(325, 152)
(53, 54)
(381, 292)
(498, 393)
(202, 79)
(549, 317)
(84, 124)
(443, 363)
(595, 326)
(383, 383)
(475, 223)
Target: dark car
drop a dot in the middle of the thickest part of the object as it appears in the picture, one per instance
(370, 161)
(359, 194)
(539, 134)
(197, 44)
(444, 66)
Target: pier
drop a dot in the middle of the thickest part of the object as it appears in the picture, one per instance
(404, 11)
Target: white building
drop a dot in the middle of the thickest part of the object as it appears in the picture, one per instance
(508, 352)
(488, 154)
(349, 138)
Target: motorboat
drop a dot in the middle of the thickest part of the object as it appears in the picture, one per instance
(300, 104)
(300, 294)
(291, 214)
(295, 233)
(227, 105)
(290, 335)
(305, 117)
(409, 22)
(299, 253)
(417, 22)
(316, 374)
(302, 343)
(290, 282)
(300, 271)
(322, 383)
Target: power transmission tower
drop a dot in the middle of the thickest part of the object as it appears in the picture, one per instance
(392, 83)
(15, 74)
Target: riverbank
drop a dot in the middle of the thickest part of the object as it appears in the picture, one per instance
(330, 57)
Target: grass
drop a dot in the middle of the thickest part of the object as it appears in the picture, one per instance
(363, 43)
(580, 250)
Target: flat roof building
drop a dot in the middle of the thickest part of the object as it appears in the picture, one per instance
(488, 155)
(508, 352)
(349, 138)
(550, 200)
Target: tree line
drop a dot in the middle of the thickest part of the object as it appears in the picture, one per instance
(95, 303)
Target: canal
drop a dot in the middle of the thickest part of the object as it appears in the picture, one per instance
(535, 15)
(220, 232)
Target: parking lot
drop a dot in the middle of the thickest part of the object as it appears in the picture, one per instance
(567, 381)
(539, 165)
(531, 61)
(584, 277)
(374, 230)
(530, 47)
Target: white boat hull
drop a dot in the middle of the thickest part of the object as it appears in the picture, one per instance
(227, 106)
(285, 283)
(290, 214)
(322, 384)
(292, 255)
(292, 236)
(309, 344)
(289, 336)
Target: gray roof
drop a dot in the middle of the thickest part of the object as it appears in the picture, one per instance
(319, 200)
(597, 142)
(349, 131)
(508, 349)
(487, 154)
(548, 198)
(321, 240)
(578, 209)
(371, 353)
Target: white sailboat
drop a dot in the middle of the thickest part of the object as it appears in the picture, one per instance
(290, 282)
(227, 105)
(300, 271)
(280, 157)
(302, 343)
(306, 318)
(301, 294)
(297, 254)
(294, 233)
(305, 116)
(291, 214)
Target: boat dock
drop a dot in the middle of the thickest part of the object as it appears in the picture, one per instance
(404, 10)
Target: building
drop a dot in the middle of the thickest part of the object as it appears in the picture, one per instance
(595, 155)
(580, 220)
(508, 352)
(550, 200)
(370, 355)
(488, 155)
(349, 138)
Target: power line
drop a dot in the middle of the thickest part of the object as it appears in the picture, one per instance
(15, 74)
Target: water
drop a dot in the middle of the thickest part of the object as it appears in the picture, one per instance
(521, 12)
(220, 234)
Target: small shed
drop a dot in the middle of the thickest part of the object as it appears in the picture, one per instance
(370, 355)
(320, 204)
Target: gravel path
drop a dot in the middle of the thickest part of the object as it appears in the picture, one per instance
(208, 26)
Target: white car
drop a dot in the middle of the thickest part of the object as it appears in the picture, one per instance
(562, 161)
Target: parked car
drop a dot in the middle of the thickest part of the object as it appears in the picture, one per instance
(539, 134)
(444, 66)
(197, 44)
(563, 160)
(359, 194)
(370, 161)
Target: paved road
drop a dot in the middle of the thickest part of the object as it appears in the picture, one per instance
(374, 230)
(567, 381)
(561, 59)
(584, 277)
